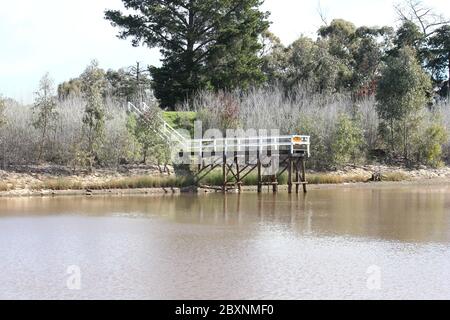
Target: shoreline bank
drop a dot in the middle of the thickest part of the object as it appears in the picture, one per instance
(151, 180)
(199, 191)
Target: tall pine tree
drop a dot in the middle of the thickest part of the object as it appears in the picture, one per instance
(204, 43)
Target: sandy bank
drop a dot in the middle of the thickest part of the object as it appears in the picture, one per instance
(22, 181)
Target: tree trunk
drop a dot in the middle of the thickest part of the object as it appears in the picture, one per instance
(42, 144)
(392, 136)
(189, 55)
(405, 140)
(448, 82)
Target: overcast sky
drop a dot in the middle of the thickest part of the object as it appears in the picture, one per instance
(63, 36)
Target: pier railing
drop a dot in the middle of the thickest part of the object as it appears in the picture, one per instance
(292, 144)
(294, 149)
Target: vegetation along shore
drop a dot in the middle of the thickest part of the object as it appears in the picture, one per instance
(52, 180)
(366, 95)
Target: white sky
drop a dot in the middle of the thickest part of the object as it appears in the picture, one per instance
(63, 36)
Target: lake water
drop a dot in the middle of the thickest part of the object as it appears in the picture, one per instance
(343, 243)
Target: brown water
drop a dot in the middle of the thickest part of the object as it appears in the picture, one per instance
(230, 247)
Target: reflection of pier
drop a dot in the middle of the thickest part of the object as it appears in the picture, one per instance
(290, 210)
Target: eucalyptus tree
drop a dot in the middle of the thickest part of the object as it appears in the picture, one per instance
(93, 84)
(45, 113)
(403, 91)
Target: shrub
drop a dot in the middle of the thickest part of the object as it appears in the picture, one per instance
(430, 148)
(347, 142)
(394, 176)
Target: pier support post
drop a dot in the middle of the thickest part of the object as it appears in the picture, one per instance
(303, 164)
(259, 173)
(297, 177)
(238, 174)
(290, 175)
(224, 172)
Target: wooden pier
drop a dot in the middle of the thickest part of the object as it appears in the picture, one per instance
(269, 157)
(238, 157)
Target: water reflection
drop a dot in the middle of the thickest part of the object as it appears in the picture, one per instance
(404, 214)
(246, 246)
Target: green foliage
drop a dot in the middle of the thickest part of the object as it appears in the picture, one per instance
(181, 120)
(439, 60)
(80, 158)
(93, 84)
(138, 127)
(408, 35)
(45, 113)
(348, 140)
(204, 43)
(321, 146)
(402, 93)
(145, 128)
(304, 61)
(130, 84)
(430, 147)
(70, 88)
(340, 35)
(344, 58)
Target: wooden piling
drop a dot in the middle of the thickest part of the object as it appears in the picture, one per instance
(303, 164)
(259, 172)
(274, 184)
(297, 177)
(289, 164)
(238, 174)
(224, 172)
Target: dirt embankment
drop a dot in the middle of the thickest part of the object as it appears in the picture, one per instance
(32, 180)
(418, 173)
(40, 180)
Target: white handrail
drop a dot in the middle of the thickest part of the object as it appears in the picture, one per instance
(233, 144)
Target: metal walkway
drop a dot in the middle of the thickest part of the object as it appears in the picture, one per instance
(239, 156)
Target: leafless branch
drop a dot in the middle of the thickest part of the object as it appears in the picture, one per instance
(322, 14)
(416, 12)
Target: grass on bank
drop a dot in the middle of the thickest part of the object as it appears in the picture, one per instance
(57, 185)
(215, 178)
(212, 179)
(138, 182)
(143, 182)
(394, 176)
(5, 187)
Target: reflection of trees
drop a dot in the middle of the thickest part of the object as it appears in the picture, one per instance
(408, 214)
(404, 214)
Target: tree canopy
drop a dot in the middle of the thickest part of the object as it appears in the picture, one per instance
(204, 43)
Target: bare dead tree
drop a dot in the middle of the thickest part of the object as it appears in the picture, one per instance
(322, 14)
(417, 12)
